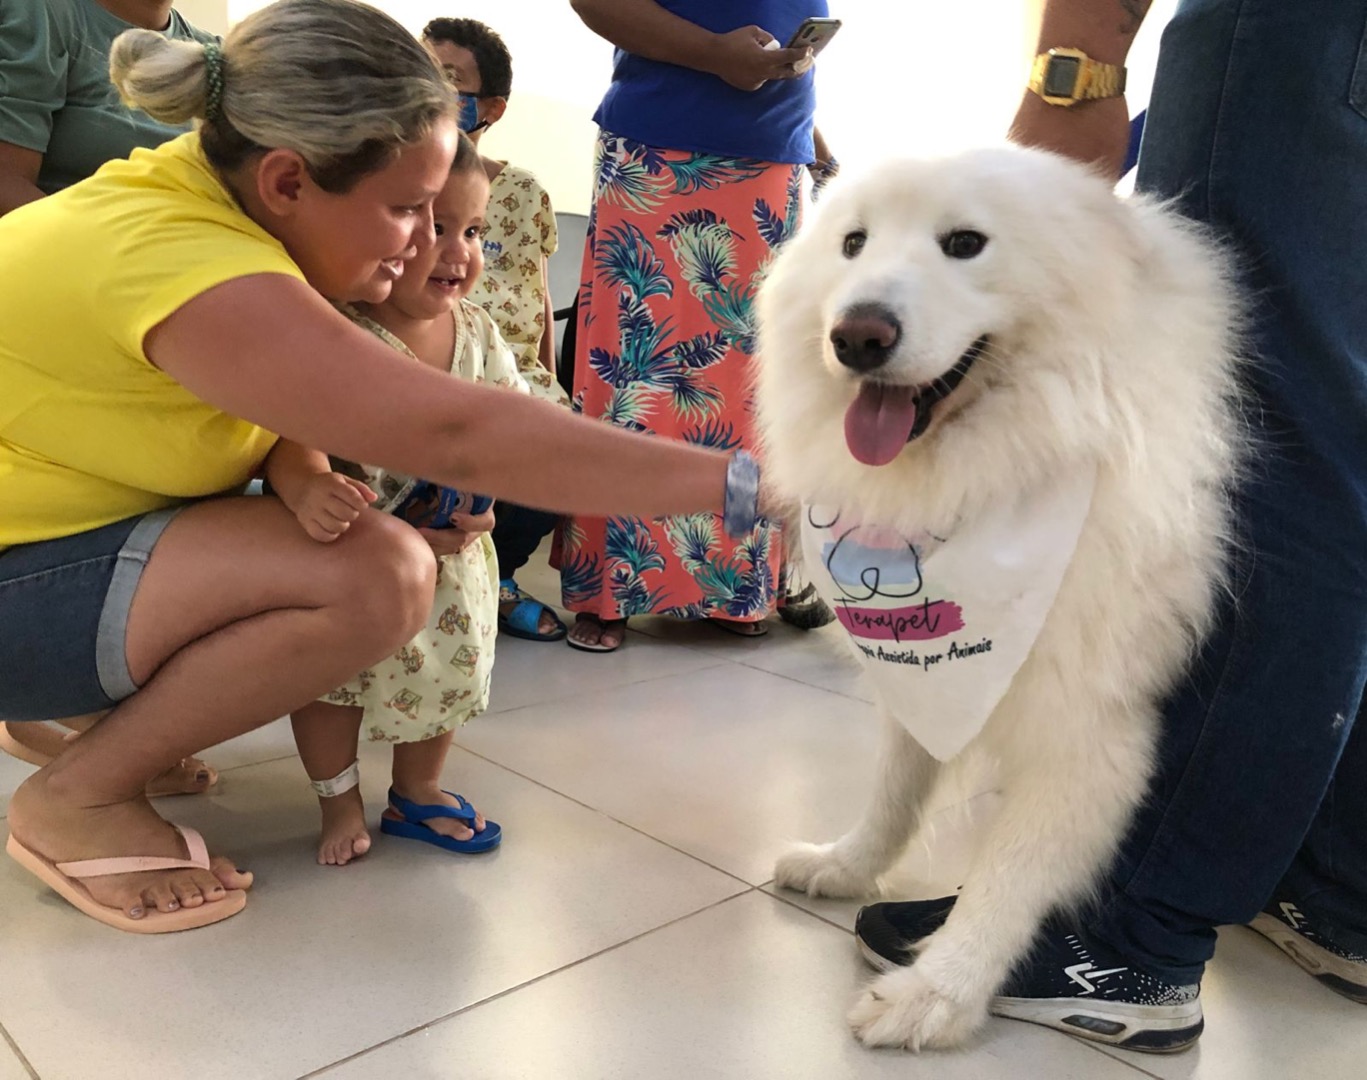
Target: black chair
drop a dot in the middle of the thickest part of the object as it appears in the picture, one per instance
(563, 270)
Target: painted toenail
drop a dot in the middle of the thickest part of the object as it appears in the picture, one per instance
(135, 913)
(173, 905)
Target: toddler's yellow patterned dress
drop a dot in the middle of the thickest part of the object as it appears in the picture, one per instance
(440, 679)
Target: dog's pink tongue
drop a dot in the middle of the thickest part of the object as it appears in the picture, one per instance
(879, 422)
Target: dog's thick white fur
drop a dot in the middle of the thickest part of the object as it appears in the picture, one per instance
(1112, 333)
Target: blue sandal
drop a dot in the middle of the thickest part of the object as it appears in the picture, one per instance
(524, 621)
(414, 814)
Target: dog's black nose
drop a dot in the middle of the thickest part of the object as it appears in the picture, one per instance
(864, 336)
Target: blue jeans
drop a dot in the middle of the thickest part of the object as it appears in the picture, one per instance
(1258, 126)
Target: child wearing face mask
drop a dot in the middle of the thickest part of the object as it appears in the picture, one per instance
(519, 237)
(416, 698)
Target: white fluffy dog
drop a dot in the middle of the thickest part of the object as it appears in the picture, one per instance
(947, 337)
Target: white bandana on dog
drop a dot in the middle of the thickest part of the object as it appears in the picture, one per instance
(942, 624)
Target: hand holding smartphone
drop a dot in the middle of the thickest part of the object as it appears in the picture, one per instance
(814, 34)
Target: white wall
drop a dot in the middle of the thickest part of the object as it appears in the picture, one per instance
(903, 76)
(211, 15)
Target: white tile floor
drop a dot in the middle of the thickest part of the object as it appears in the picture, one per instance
(626, 928)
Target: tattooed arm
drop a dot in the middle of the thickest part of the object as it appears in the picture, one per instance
(1092, 131)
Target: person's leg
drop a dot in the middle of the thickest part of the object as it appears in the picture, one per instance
(44, 742)
(417, 778)
(1253, 735)
(327, 737)
(517, 533)
(1328, 877)
(238, 618)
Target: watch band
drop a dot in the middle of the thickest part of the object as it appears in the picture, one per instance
(1064, 76)
(741, 507)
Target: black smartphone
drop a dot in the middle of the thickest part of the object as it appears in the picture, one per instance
(814, 34)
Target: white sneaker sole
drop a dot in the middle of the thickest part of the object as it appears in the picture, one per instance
(1344, 976)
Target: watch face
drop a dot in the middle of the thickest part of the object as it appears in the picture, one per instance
(1060, 77)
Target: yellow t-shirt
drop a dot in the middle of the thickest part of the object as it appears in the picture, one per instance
(90, 431)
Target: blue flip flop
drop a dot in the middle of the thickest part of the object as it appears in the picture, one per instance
(414, 814)
(524, 621)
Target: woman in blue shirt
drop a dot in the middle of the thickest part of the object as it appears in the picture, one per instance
(704, 132)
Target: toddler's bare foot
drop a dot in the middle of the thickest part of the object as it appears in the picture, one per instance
(344, 833)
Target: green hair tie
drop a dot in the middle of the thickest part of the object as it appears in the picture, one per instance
(213, 78)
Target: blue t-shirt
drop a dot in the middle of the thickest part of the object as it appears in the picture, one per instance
(678, 108)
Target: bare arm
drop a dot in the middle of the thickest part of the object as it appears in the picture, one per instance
(291, 467)
(546, 348)
(645, 28)
(18, 176)
(1092, 131)
(325, 502)
(271, 350)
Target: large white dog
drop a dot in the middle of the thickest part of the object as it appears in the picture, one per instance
(1005, 399)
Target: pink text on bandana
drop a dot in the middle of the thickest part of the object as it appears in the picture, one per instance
(921, 622)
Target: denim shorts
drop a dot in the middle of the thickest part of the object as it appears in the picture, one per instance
(64, 618)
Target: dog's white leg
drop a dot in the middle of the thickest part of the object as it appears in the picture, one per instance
(1069, 790)
(852, 865)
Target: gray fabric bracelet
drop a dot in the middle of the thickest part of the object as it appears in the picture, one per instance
(741, 508)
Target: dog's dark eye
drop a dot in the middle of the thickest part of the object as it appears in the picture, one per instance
(854, 243)
(963, 243)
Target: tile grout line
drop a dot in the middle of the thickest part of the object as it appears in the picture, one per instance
(807, 911)
(1105, 1052)
(600, 690)
(603, 813)
(753, 667)
(8, 1039)
(524, 985)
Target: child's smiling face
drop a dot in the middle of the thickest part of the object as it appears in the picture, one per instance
(440, 276)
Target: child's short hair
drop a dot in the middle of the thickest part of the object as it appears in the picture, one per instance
(467, 159)
(492, 58)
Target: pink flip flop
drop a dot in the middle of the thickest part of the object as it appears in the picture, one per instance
(65, 879)
(15, 749)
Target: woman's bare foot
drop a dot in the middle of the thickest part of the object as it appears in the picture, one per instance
(434, 796)
(597, 635)
(190, 777)
(55, 824)
(344, 833)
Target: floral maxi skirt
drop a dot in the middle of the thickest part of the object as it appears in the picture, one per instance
(678, 243)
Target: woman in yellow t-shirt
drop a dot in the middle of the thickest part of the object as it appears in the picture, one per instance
(160, 324)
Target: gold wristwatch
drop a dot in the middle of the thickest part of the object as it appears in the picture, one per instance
(1067, 76)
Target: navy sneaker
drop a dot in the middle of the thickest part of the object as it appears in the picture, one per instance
(1335, 957)
(1068, 982)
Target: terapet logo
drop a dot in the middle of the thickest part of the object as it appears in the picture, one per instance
(877, 572)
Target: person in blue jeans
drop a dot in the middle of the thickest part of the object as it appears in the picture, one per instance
(1257, 812)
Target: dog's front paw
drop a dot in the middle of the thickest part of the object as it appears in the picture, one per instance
(903, 1008)
(820, 870)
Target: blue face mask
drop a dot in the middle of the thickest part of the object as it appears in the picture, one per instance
(468, 117)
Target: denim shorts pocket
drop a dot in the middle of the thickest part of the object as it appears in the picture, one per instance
(1357, 90)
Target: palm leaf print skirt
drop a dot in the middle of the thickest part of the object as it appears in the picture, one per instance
(678, 243)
